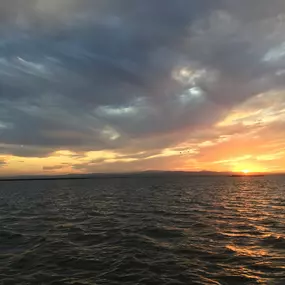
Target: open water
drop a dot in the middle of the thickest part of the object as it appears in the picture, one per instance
(183, 230)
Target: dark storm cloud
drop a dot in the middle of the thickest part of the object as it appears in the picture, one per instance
(88, 75)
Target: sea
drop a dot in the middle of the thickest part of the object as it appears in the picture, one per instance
(143, 230)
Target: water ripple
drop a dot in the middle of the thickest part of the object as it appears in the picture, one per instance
(210, 231)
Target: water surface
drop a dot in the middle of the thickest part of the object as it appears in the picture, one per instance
(184, 230)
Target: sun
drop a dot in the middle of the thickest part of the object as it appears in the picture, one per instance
(245, 171)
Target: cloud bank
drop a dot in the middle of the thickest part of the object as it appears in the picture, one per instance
(134, 76)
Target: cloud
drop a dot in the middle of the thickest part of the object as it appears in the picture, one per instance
(2, 163)
(131, 76)
(152, 163)
(25, 151)
(50, 168)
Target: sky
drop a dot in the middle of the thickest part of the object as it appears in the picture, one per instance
(132, 85)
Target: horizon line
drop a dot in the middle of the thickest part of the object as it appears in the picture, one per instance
(84, 176)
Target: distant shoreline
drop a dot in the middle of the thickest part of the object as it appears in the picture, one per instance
(105, 177)
(45, 178)
(146, 174)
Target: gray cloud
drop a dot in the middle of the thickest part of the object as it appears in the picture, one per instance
(92, 75)
(25, 151)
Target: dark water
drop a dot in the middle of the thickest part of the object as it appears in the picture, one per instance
(143, 231)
